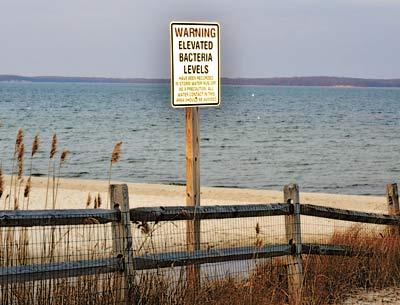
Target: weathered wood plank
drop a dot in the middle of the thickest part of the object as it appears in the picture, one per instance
(172, 213)
(348, 215)
(392, 197)
(175, 259)
(17, 274)
(334, 250)
(31, 218)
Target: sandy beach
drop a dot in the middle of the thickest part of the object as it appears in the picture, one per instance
(170, 236)
(73, 194)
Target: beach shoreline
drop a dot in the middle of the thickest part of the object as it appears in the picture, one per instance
(73, 194)
(171, 236)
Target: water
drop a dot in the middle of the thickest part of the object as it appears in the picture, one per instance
(335, 140)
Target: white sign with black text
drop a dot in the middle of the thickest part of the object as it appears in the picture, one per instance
(195, 64)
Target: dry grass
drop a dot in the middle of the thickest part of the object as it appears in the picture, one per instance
(24, 246)
(328, 279)
(341, 275)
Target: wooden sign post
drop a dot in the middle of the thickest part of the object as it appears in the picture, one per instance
(195, 82)
(193, 188)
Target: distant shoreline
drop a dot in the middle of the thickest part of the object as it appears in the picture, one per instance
(325, 81)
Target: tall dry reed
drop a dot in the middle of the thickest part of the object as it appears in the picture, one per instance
(10, 252)
(53, 150)
(115, 157)
(1, 181)
(88, 200)
(19, 139)
(19, 180)
(35, 149)
(63, 158)
(50, 169)
(16, 250)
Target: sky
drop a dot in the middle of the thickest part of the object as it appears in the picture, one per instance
(259, 38)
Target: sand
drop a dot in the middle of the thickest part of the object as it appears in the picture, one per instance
(381, 297)
(215, 233)
(73, 194)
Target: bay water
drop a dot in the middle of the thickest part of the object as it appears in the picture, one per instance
(333, 140)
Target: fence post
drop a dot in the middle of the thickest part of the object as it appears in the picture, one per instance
(122, 243)
(293, 236)
(392, 197)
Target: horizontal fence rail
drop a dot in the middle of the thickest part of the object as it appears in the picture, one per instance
(33, 218)
(161, 260)
(26, 273)
(348, 215)
(209, 212)
(333, 250)
(174, 259)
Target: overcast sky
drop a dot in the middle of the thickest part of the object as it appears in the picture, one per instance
(259, 38)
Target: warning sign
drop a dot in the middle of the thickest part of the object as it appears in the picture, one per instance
(195, 66)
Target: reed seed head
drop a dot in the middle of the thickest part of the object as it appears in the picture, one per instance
(64, 155)
(53, 146)
(144, 227)
(257, 228)
(91, 221)
(20, 160)
(35, 145)
(95, 203)
(88, 200)
(27, 190)
(1, 182)
(16, 205)
(98, 200)
(116, 154)
(19, 139)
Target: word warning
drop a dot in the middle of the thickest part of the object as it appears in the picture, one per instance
(195, 64)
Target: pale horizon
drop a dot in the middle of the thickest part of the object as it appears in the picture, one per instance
(224, 77)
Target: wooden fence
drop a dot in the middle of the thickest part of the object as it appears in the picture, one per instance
(126, 263)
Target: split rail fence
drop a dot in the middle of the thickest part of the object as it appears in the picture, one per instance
(125, 263)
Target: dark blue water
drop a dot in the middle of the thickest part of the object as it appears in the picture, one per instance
(337, 140)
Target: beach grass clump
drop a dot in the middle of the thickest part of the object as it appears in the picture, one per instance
(23, 246)
(374, 264)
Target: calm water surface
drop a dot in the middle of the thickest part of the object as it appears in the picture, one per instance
(336, 140)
